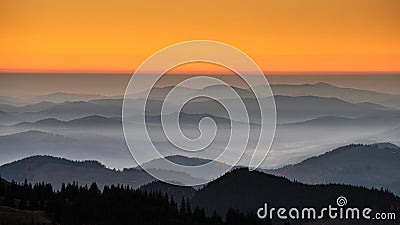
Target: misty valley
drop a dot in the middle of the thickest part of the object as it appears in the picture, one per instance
(63, 153)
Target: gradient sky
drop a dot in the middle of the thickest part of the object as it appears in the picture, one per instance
(281, 36)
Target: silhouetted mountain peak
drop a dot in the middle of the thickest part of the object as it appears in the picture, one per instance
(38, 160)
(187, 161)
(94, 120)
(247, 190)
(242, 176)
(322, 84)
(49, 122)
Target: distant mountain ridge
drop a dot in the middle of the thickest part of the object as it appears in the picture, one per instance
(18, 104)
(298, 108)
(60, 97)
(320, 89)
(28, 108)
(347, 94)
(375, 165)
(57, 170)
(387, 120)
(307, 107)
(87, 120)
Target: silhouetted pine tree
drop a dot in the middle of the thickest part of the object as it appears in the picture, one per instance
(182, 207)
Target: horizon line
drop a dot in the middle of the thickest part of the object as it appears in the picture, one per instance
(267, 73)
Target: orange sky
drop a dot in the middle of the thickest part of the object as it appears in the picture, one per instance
(281, 36)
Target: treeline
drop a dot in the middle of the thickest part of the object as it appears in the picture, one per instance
(25, 196)
(118, 204)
